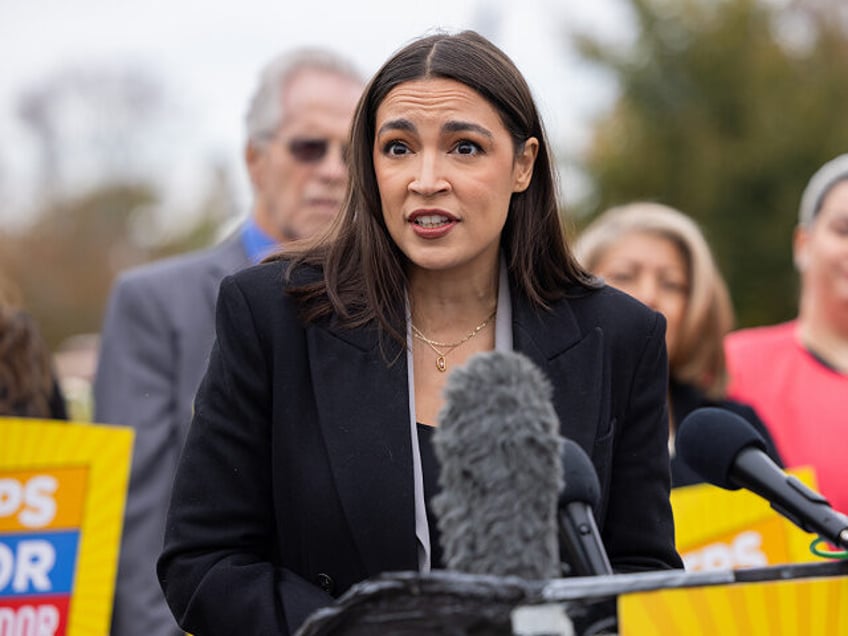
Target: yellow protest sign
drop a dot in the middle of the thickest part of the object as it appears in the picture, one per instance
(728, 530)
(719, 529)
(62, 493)
(769, 608)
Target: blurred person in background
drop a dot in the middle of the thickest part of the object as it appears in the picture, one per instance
(796, 373)
(76, 361)
(28, 385)
(159, 324)
(659, 255)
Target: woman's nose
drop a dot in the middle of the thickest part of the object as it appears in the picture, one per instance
(648, 291)
(429, 178)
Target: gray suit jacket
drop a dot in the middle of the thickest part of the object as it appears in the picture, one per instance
(156, 338)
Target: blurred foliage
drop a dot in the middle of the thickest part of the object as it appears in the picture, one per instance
(215, 208)
(95, 123)
(725, 109)
(97, 203)
(66, 260)
(96, 206)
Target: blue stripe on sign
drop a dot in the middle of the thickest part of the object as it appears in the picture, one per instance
(41, 563)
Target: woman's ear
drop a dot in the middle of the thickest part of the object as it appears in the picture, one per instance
(801, 248)
(524, 162)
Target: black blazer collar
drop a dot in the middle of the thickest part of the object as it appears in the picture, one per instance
(572, 359)
(363, 410)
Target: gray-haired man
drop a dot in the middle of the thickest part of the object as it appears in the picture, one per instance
(159, 325)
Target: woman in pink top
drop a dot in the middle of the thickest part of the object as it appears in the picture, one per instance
(796, 374)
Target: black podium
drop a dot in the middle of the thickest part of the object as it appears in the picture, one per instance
(454, 604)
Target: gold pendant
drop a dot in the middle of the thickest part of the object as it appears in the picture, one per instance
(441, 364)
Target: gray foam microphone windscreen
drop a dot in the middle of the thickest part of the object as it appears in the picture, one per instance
(499, 450)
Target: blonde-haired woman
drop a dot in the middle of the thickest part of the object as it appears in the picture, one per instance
(660, 256)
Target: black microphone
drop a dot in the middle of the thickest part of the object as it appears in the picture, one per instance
(726, 451)
(498, 446)
(579, 534)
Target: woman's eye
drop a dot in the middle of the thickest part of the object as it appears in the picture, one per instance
(674, 286)
(619, 277)
(840, 227)
(395, 148)
(466, 147)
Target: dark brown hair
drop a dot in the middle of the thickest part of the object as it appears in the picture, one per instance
(364, 277)
(26, 372)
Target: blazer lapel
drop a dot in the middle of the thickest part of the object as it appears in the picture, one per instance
(363, 410)
(553, 341)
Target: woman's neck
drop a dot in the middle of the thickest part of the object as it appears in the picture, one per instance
(442, 303)
(823, 336)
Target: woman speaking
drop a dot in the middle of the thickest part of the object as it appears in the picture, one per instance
(302, 473)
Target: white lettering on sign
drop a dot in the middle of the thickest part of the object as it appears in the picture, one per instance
(32, 502)
(29, 621)
(744, 551)
(29, 564)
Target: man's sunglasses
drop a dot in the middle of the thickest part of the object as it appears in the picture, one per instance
(312, 150)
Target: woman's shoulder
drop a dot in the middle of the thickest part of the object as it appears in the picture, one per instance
(263, 290)
(749, 413)
(258, 298)
(612, 310)
(274, 275)
(743, 409)
(626, 327)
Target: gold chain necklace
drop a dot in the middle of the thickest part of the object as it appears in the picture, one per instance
(441, 361)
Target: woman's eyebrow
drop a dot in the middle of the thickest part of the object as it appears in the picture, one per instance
(464, 126)
(450, 127)
(397, 124)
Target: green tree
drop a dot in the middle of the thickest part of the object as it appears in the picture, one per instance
(725, 109)
(64, 262)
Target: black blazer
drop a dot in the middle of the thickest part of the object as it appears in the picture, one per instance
(296, 479)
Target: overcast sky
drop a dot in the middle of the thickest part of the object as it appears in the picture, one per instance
(207, 53)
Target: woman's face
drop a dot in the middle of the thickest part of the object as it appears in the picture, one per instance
(821, 252)
(446, 169)
(652, 269)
